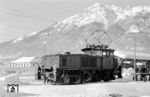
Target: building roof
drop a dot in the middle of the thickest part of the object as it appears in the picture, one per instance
(130, 55)
(24, 60)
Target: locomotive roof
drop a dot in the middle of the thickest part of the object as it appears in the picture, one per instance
(56, 55)
(101, 49)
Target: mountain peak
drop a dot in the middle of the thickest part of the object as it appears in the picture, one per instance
(97, 5)
(100, 6)
(70, 34)
(94, 13)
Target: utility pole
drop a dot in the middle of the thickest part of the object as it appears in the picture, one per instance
(44, 47)
(50, 43)
(135, 56)
(134, 30)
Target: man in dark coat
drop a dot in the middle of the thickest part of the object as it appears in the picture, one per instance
(46, 76)
(120, 71)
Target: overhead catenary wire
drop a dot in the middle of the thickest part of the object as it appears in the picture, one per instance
(102, 34)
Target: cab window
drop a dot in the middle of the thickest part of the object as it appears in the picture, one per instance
(64, 62)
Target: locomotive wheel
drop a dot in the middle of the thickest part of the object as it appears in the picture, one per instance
(107, 77)
(78, 80)
(88, 77)
(145, 79)
(59, 81)
(66, 79)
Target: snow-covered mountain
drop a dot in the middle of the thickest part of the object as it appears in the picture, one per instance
(89, 26)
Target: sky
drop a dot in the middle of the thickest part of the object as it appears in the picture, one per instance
(23, 17)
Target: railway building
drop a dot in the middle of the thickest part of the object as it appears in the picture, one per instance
(23, 66)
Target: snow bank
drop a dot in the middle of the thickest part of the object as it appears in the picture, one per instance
(3, 77)
(3, 92)
(2, 73)
(127, 72)
(14, 79)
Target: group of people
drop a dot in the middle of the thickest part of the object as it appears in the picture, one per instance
(48, 76)
(143, 73)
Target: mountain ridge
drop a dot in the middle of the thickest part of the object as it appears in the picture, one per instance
(70, 34)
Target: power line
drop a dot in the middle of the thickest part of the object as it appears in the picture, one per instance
(15, 13)
(8, 30)
(20, 14)
(31, 16)
(17, 26)
(18, 11)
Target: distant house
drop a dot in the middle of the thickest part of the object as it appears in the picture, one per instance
(24, 65)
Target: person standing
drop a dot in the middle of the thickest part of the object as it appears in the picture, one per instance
(45, 78)
(39, 73)
(120, 71)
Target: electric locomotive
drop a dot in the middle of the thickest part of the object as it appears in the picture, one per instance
(96, 64)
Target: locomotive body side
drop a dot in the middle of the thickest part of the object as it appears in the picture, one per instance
(71, 61)
(80, 62)
(79, 68)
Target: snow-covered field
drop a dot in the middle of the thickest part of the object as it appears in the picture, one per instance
(117, 88)
(123, 89)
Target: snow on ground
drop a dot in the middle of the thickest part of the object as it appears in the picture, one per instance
(14, 80)
(66, 90)
(4, 93)
(119, 88)
(125, 89)
(2, 73)
(127, 72)
(3, 77)
(11, 79)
